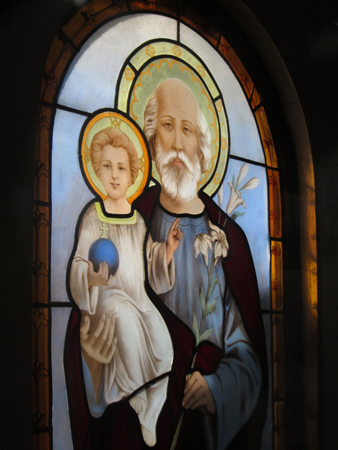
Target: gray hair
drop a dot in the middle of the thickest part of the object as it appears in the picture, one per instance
(204, 136)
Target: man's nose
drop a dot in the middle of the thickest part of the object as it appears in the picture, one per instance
(177, 144)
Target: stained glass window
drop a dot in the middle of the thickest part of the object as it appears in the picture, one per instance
(106, 61)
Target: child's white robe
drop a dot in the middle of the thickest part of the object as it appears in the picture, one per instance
(144, 348)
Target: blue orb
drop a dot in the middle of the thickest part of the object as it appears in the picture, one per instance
(103, 250)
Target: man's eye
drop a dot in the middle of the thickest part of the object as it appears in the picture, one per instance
(106, 166)
(122, 168)
(168, 125)
(186, 130)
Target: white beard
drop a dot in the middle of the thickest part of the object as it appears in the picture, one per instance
(179, 183)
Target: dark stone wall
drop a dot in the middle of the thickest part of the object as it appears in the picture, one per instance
(306, 35)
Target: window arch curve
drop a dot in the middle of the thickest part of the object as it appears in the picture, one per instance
(61, 106)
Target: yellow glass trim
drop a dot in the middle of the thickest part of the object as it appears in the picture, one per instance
(223, 151)
(125, 85)
(168, 48)
(114, 220)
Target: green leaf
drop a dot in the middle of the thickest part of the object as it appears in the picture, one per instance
(212, 286)
(237, 214)
(205, 335)
(211, 306)
(233, 179)
(202, 299)
(195, 329)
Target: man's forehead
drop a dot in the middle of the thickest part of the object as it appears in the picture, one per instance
(176, 98)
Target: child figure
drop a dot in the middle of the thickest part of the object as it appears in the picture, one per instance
(124, 339)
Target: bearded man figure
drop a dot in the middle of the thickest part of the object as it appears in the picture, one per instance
(220, 384)
(217, 388)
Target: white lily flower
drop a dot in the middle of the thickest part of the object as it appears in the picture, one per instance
(221, 243)
(235, 200)
(202, 245)
(251, 184)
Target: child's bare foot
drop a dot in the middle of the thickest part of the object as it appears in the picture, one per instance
(138, 404)
(148, 438)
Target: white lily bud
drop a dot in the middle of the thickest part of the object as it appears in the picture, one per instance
(243, 171)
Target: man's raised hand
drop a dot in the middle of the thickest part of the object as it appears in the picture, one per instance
(173, 239)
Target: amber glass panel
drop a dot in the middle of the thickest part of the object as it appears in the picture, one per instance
(165, 6)
(275, 206)
(279, 427)
(277, 275)
(40, 370)
(278, 356)
(59, 55)
(267, 141)
(236, 65)
(255, 99)
(40, 254)
(310, 285)
(41, 441)
(90, 16)
(42, 157)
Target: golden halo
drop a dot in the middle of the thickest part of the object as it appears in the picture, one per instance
(118, 121)
(157, 61)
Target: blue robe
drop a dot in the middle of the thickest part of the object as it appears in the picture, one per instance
(236, 383)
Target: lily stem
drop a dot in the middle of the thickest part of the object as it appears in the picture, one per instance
(179, 423)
